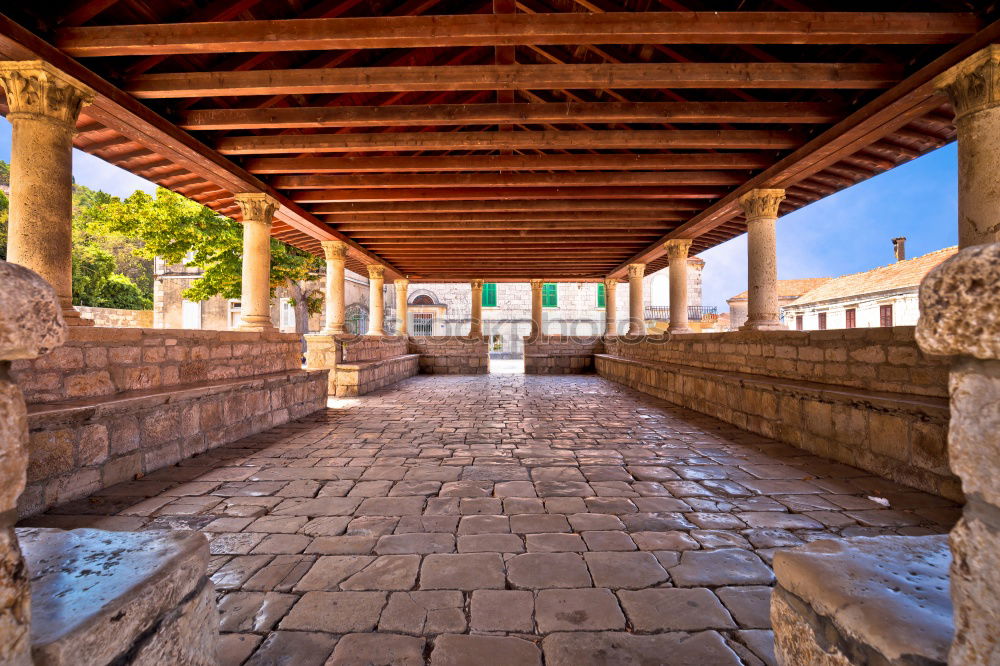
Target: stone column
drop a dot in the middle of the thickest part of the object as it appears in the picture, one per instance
(761, 210)
(336, 257)
(960, 317)
(44, 104)
(401, 314)
(30, 326)
(610, 307)
(677, 250)
(974, 88)
(536, 308)
(636, 317)
(376, 304)
(476, 327)
(255, 302)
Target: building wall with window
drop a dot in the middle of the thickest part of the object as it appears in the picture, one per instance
(569, 308)
(172, 310)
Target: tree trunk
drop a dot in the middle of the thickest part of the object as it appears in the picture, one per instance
(298, 294)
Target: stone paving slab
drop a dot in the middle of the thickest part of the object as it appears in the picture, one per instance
(503, 519)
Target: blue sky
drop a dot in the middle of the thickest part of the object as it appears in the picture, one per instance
(844, 233)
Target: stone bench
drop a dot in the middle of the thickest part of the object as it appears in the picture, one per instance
(864, 600)
(78, 447)
(898, 436)
(560, 355)
(120, 597)
(361, 377)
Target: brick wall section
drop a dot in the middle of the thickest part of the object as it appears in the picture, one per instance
(560, 354)
(451, 354)
(105, 361)
(115, 318)
(879, 359)
(900, 435)
(78, 448)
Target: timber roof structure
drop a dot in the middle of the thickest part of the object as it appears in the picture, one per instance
(504, 139)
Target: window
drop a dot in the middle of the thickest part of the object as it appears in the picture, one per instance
(423, 323)
(550, 295)
(799, 322)
(602, 297)
(885, 316)
(422, 299)
(822, 321)
(287, 314)
(489, 294)
(355, 319)
(851, 318)
(234, 314)
(191, 314)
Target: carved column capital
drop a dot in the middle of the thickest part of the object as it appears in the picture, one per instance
(334, 250)
(973, 84)
(402, 283)
(376, 271)
(761, 204)
(536, 285)
(257, 206)
(677, 248)
(477, 285)
(36, 89)
(610, 283)
(636, 271)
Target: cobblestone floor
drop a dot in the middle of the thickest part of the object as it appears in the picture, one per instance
(503, 519)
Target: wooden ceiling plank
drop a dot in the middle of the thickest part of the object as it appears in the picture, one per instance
(584, 179)
(491, 30)
(858, 76)
(475, 206)
(503, 194)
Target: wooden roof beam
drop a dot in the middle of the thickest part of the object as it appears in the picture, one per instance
(433, 163)
(474, 206)
(512, 77)
(542, 140)
(512, 29)
(558, 179)
(503, 194)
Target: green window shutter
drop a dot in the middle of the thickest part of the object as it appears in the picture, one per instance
(550, 297)
(601, 296)
(490, 295)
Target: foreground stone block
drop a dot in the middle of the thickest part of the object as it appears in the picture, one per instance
(120, 597)
(866, 600)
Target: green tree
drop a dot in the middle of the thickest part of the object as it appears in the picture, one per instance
(96, 284)
(4, 206)
(182, 231)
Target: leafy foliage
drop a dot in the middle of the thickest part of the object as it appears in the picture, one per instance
(96, 284)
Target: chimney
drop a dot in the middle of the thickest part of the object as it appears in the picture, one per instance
(899, 248)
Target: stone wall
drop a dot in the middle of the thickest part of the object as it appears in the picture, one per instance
(105, 361)
(560, 354)
(117, 318)
(360, 364)
(839, 394)
(451, 355)
(883, 359)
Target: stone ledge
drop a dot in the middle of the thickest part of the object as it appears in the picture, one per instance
(864, 601)
(361, 366)
(133, 583)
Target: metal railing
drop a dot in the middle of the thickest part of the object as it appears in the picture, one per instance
(695, 312)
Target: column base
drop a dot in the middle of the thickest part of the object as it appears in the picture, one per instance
(673, 330)
(763, 326)
(71, 315)
(333, 331)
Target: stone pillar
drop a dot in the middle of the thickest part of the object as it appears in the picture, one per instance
(401, 314)
(536, 308)
(611, 306)
(636, 318)
(761, 210)
(30, 326)
(973, 88)
(960, 317)
(677, 250)
(376, 304)
(44, 104)
(255, 303)
(476, 326)
(336, 257)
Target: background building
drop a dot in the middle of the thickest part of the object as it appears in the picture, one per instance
(788, 292)
(172, 310)
(883, 296)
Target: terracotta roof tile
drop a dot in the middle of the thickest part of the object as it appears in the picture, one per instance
(789, 288)
(900, 275)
